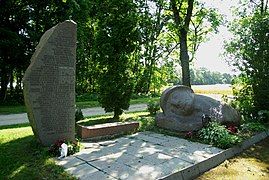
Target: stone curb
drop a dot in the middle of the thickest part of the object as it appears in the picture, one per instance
(195, 170)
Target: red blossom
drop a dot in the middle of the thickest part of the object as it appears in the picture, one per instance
(232, 129)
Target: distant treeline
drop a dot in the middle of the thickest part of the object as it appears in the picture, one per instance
(204, 76)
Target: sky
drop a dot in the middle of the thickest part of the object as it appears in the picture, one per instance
(209, 53)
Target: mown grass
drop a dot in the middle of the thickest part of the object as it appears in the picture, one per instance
(12, 109)
(21, 157)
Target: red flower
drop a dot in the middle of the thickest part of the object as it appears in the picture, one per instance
(189, 134)
(232, 129)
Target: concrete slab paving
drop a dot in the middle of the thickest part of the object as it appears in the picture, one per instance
(86, 171)
(144, 155)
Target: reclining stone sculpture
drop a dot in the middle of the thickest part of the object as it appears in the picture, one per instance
(183, 110)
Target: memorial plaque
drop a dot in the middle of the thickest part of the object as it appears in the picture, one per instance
(49, 85)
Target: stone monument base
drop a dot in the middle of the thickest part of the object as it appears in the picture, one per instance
(178, 124)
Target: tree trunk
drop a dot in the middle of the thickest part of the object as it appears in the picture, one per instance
(4, 83)
(117, 113)
(184, 59)
(183, 27)
(11, 81)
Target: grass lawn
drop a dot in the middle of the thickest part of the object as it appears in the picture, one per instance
(251, 164)
(12, 109)
(21, 157)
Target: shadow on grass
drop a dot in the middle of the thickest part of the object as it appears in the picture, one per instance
(25, 158)
(14, 126)
(96, 121)
(101, 120)
(12, 109)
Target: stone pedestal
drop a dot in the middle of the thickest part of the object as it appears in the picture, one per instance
(49, 85)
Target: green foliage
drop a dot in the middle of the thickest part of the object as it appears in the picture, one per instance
(253, 127)
(78, 115)
(217, 135)
(153, 107)
(73, 147)
(115, 40)
(243, 92)
(204, 76)
(249, 52)
(22, 25)
(146, 123)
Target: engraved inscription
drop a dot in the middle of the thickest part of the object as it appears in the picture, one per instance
(49, 85)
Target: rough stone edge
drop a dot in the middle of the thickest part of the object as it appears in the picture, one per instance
(197, 169)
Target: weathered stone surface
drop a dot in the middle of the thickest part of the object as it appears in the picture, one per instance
(49, 85)
(184, 111)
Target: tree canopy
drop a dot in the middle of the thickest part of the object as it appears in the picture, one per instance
(249, 52)
(124, 47)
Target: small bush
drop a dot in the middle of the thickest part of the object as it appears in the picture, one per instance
(153, 107)
(78, 115)
(146, 123)
(217, 135)
(253, 127)
(73, 147)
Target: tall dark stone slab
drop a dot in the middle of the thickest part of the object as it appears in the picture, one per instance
(49, 85)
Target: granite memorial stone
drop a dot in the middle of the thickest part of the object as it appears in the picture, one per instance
(49, 85)
(185, 111)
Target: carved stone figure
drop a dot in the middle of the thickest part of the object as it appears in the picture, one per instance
(49, 85)
(185, 111)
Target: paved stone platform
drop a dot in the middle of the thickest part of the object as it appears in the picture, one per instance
(144, 155)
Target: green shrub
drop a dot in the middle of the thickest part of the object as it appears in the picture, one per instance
(78, 115)
(263, 116)
(153, 107)
(243, 93)
(253, 127)
(217, 135)
(73, 147)
(146, 123)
